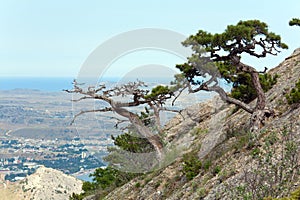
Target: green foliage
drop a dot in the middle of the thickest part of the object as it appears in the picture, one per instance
(217, 170)
(126, 144)
(294, 96)
(191, 165)
(138, 184)
(267, 81)
(296, 194)
(145, 117)
(294, 22)
(242, 33)
(244, 90)
(106, 179)
(88, 186)
(159, 91)
(242, 193)
(132, 143)
(76, 196)
(207, 165)
(218, 56)
(255, 152)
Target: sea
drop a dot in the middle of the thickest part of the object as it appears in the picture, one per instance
(51, 84)
(55, 84)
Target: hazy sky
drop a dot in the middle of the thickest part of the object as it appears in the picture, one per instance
(53, 38)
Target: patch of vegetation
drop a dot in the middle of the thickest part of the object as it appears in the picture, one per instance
(294, 96)
(157, 184)
(104, 181)
(294, 22)
(191, 165)
(243, 138)
(294, 196)
(107, 179)
(132, 143)
(202, 192)
(243, 89)
(198, 131)
(217, 170)
(276, 165)
(172, 185)
(138, 184)
(207, 165)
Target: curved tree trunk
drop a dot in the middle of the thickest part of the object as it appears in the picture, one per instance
(143, 130)
(259, 111)
(261, 97)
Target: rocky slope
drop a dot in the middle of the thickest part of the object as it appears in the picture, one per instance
(44, 184)
(215, 132)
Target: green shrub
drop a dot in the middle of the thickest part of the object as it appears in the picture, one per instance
(130, 142)
(76, 196)
(207, 165)
(88, 186)
(191, 165)
(217, 170)
(138, 184)
(294, 95)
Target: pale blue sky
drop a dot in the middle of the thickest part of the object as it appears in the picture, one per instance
(53, 38)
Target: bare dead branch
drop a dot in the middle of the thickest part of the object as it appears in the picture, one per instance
(82, 98)
(171, 110)
(107, 109)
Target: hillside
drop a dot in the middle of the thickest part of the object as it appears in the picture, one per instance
(215, 135)
(44, 184)
(216, 155)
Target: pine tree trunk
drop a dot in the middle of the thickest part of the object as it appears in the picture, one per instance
(143, 130)
(259, 115)
(259, 112)
(261, 97)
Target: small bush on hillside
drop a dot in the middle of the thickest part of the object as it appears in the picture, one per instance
(294, 96)
(191, 165)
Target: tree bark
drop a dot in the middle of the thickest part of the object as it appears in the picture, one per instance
(259, 111)
(143, 130)
(261, 97)
(231, 100)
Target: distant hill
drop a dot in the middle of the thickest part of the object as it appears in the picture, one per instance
(44, 184)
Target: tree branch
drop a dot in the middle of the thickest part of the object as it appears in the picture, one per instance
(228, 99)
(107, 109)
